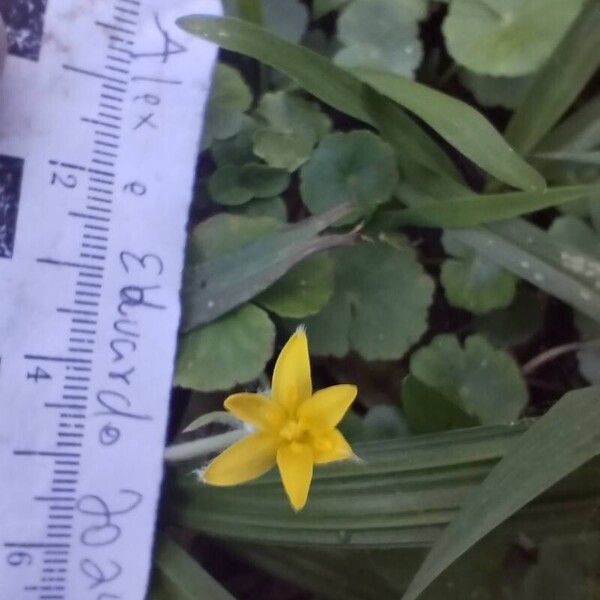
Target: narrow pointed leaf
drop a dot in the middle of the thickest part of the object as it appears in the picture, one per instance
(478, 210)
(216, 285)
(558, 82)
(526, 471)
(459, 124)
(324, 80)
(180, 577)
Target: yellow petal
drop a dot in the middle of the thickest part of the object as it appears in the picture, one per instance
(245, 460)
(258, 410)
(330, 447)
(295, 462)
(291, 377)
(325, 409)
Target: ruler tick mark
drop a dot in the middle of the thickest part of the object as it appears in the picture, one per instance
(94, 74)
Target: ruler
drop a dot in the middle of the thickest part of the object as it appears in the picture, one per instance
(100, 117)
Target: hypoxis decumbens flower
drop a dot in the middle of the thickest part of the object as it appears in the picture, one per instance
(295, 428)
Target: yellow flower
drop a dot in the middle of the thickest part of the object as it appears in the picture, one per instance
(295, 428)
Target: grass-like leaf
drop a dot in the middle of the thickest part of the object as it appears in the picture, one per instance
(459, 124)
(559, 81)
(324, 80)
(403, 493)
(475, 210)
(180, 577)
(216, 285)
(531, 466)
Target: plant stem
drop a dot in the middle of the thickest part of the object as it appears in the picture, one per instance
(552, 353)
(203, 446)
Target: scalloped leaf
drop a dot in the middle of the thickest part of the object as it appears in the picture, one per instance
(232, 185)
(273, 208)
(229, 99)
(357, 166)
(477, 285)
(428, 411)
(483, 382)
(232, 350)
(381, 34)
(379, 307)
(302, 291)
(291, 128)
(513, 325)
(506, 37)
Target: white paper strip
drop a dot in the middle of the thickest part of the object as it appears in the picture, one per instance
(100, 118)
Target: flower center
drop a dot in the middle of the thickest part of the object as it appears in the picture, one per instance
(292, 431)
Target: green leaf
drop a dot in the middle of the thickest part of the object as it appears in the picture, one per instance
(473, 210)
(182, 578)
(580, 131)
(506, 37)
(287, 19)
(229, 99)
(460, 125)
(496, 91)
(573, 232)
(232, 350)
(383, 422)
(403, 493)
(232, 185)
(533, 255)
(302, 291)
(514, 325)
(581, 237)
(389, 42)
(236, 150)
(559, 82)
(379, 307)
(477, 285)
(224, 233)
(483, 382)
(357, 167)
(292, 126)
(428, 411)
(215, 285)
(523, 474)
(273, 208)
(331, 84)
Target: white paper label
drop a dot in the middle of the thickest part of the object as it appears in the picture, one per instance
(100, 119)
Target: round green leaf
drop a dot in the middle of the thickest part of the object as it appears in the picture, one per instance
(513, 325)
(477, 285)
(230, 97)
(506, 37)
(233, 350)
(232, 185)
(274, 208)
(292, 126)
(381, 34)
(356, 166)
(428, 410)
(236, 150)
(303, 291)
(483, 382)
(379, 307)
